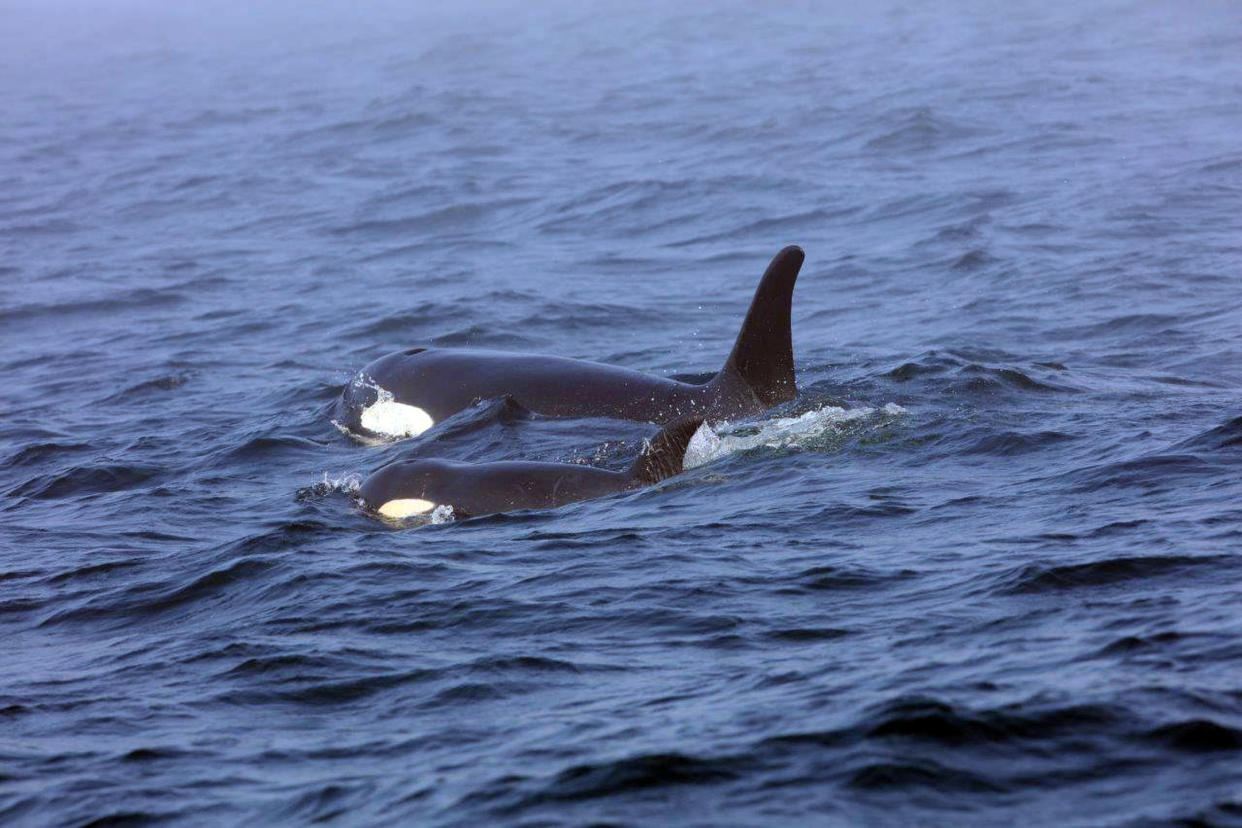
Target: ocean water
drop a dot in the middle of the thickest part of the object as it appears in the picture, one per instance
(985, 570)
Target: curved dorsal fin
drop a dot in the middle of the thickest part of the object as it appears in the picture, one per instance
(762, 356)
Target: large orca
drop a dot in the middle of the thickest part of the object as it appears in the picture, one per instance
(416, 487)
(405, 393)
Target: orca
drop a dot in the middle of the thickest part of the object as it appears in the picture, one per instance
(405, 393)
(419, 487)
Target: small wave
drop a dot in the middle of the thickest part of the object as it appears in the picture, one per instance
(1136, 328)
(925, 367)
(1151, 473)
(806, 635)
(918, 130)
(970, 376)
(1227, 436)
(638, 772)
(985, 379)
(956, 232)
(806, 431)
(456, 217)
(278, 538)
(832, 578)
(145, 298)
(973, 260)
(40, 453)
(911, 727)
(168, 382)
(150, 599)
(1171, 643)
(902, 775)
(93, 571)
(1010, 443)
(766, 227)
(1037, 578)
(1223, 812)
(521, 664)
(468, 694)
(1198, 736)
(151, 754)
(277, 667)
(335, 692)
(481, 335)
(82, 480)
(404, 321)
(1117, 527)
(930, 720)
(258, 448)
(323, 803)
(47, 227)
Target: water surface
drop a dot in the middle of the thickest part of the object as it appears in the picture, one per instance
(1011, 596)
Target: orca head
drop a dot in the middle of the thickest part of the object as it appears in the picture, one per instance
(373, 410)
(402, 490)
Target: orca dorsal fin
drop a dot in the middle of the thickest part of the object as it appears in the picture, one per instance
(762, 356)
(665, 453)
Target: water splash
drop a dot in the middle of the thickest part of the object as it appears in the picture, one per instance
(347, 484)
(809, 430)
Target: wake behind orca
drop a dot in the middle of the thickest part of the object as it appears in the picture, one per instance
(420, 487)
(405, 393)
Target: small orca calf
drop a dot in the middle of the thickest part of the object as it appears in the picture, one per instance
(405, 393)
(417, 487)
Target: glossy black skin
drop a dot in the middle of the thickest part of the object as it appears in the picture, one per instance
(474, 489)
(758, 374)
(445, 381)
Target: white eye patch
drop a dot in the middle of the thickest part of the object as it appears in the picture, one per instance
(394, 419)
(405, 507)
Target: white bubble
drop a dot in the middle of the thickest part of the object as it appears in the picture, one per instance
(803, 431)
(441, 514)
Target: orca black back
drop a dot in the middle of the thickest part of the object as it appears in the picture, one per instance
(407, 392)
(418, 487)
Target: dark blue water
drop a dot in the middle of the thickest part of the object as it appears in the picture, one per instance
(1012, 597)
